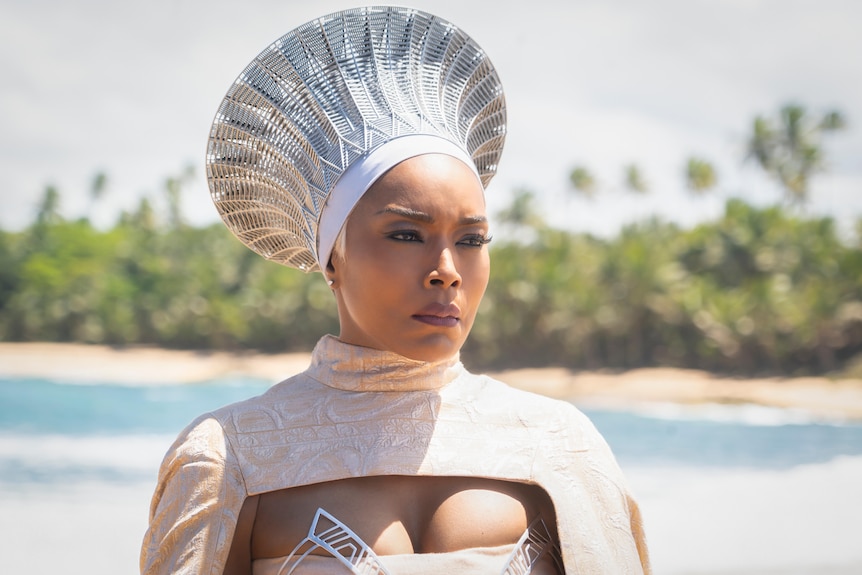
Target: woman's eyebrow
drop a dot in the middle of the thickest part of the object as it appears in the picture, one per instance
(477, 219)
(407, 213)
(427, 218)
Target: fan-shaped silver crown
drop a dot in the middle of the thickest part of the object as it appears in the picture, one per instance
(329, 92)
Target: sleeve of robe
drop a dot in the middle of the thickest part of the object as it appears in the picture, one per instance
(634, 514)
(194, 510)
(597, 511)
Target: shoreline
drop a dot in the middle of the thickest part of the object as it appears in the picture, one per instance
(140, 365)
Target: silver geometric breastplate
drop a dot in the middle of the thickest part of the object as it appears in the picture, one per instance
(332, 536)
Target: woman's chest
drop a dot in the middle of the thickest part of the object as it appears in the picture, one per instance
(402, 515)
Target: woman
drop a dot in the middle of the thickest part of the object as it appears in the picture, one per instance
(360, 145)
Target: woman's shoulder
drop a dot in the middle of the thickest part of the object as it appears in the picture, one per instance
(227, 418)
(533, 407)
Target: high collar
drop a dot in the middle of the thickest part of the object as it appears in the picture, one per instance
(354, 368)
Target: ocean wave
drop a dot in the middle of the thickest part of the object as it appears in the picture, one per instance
(42, 459)
(740, 414)
(724, 436)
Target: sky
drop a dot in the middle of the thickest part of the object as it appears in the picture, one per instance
(131, 89)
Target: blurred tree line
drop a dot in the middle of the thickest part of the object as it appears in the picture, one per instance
(759, 290)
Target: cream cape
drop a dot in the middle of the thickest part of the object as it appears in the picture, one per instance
(361, 412)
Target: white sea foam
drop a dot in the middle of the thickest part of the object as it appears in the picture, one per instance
(85, 499)
(85, 528)
(30, 462)
(131, 451)
(798, 520)
(743, 414)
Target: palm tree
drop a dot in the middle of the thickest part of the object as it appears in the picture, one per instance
(173, 191)
(700, 176)
(522, 212)
(49, 207)
(145, 216)
(582, 181)
(634, 179)
(788, 148)
(98, 186)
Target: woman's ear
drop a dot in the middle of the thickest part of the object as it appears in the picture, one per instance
(329, 273)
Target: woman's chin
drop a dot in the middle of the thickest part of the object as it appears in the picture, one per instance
(436, 347)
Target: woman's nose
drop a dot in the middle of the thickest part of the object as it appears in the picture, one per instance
(445, 272)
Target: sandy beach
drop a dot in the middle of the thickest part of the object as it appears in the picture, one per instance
(822, 397)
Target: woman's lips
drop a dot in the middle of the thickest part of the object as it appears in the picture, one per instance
(447, 321)
(438, 314)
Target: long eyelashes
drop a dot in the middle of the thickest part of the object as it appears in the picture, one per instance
(405, 236)
(477, 240)
(472, 240)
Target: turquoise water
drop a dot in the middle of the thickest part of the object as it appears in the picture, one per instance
(41, 406)
(65, 432)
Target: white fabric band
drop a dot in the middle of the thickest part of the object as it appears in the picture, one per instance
(362, 174)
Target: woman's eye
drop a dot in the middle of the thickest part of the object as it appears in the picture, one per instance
(405, 236)
(476, 240)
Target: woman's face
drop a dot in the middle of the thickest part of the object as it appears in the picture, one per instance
(416, 262)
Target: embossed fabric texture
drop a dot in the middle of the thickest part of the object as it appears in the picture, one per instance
(362, 412)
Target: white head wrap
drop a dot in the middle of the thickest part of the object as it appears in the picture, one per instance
(362, 174)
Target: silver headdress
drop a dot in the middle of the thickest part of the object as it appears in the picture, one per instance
(329, 107)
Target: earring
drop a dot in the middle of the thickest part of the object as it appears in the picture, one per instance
(330, 282)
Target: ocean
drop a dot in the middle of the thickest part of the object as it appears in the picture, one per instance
(78, 463)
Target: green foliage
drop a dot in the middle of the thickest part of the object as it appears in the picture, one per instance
(758, 290)
(175, 287)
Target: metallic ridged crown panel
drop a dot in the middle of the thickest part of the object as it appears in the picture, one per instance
(327, 93)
